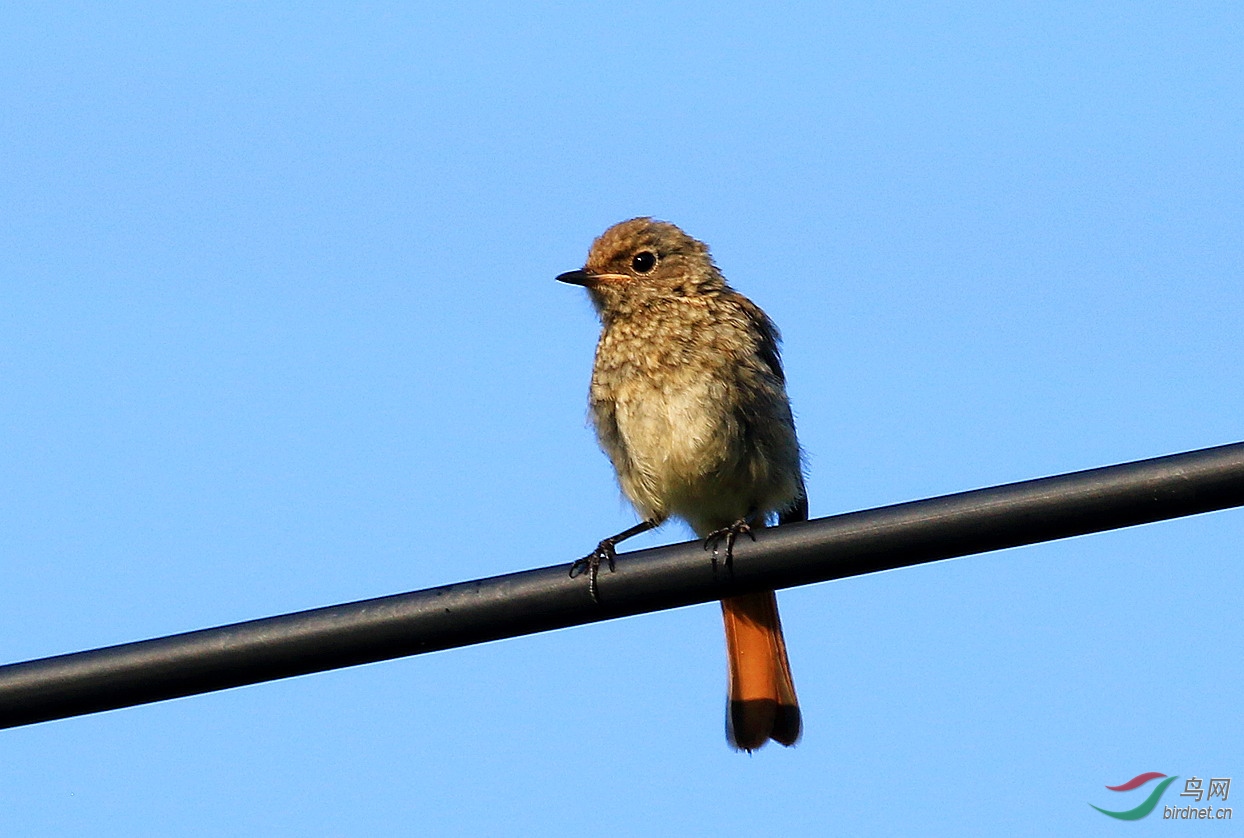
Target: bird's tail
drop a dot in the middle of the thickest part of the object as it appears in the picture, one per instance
(761, 704)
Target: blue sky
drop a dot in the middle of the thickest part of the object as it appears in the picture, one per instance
(278, 329)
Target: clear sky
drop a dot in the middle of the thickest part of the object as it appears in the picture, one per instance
(278, 329)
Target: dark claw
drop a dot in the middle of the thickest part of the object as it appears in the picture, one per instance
(591, 563)
(729, 535)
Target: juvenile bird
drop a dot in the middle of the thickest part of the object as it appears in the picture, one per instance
(689, 401)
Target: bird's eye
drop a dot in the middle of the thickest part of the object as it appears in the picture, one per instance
(644, 261)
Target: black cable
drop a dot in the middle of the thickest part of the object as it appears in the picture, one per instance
(647, 580)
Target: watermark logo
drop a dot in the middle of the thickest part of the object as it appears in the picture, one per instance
(1194, 787)
(1218, 787)
(1149, 803)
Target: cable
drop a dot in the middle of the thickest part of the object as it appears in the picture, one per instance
(647, 580)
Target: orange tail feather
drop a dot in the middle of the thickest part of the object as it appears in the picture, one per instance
(761, 702)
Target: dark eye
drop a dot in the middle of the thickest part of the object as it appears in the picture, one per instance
(644, 262)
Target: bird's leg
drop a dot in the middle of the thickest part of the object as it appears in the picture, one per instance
(604, 552)
(729, 535)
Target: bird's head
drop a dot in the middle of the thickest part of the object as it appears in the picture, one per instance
(642, 259)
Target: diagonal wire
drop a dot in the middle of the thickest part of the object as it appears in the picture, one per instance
(477, 611)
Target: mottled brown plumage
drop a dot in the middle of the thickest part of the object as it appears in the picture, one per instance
(689, 401)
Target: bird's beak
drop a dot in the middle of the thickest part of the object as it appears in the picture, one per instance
(588, 279)
(584, 278)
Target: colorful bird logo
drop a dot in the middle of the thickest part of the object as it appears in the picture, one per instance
(1150, 802)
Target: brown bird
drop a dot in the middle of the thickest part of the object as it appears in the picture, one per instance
(689, 401)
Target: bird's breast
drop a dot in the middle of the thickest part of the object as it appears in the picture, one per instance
(675, 433)
(680, 450)
(694, 426)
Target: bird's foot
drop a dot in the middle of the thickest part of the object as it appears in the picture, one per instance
(590, 564)
(728, 535)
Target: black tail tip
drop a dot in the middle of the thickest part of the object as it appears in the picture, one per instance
(753, 722)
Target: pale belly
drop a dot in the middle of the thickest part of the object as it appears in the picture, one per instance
(687, 455)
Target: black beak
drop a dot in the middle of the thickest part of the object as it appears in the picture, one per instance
(587, 280)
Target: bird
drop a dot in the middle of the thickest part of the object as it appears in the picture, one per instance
(688, 400)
